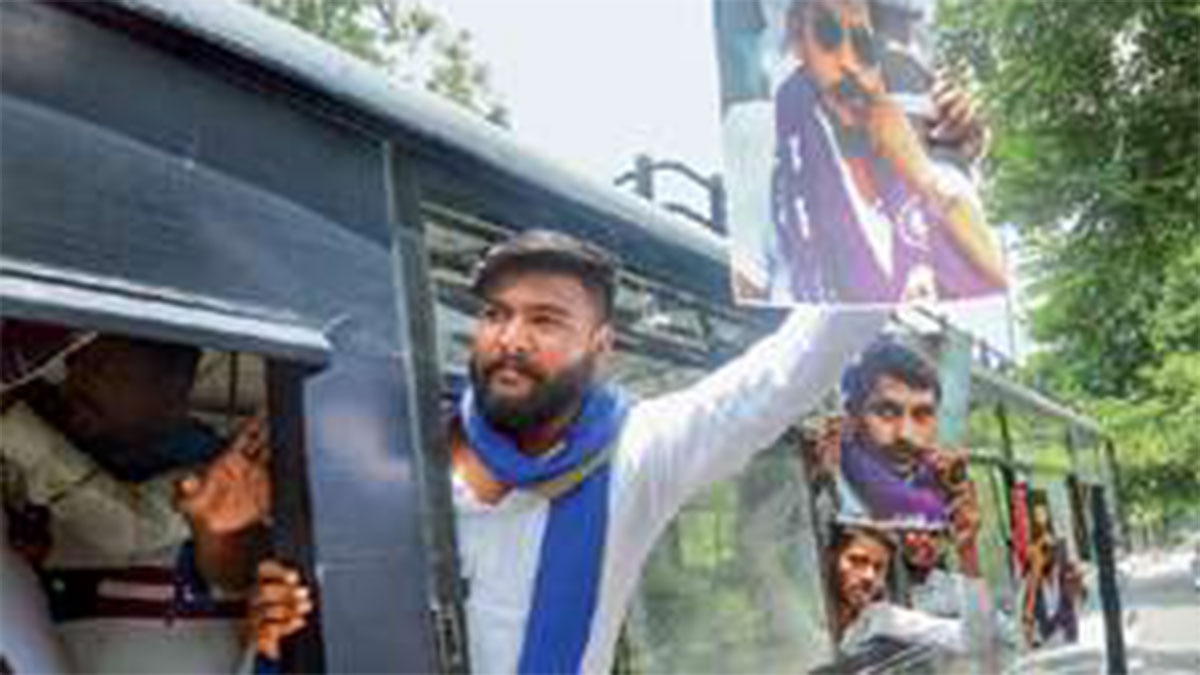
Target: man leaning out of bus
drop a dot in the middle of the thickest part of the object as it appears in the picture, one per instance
(561, 482)
(140, 522)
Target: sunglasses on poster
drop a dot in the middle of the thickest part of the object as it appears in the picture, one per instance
(830, 34)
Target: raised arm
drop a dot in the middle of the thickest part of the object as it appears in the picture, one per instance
(226, 505)
(693, 437)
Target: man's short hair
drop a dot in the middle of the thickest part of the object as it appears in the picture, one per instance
(844, 533)
(176, 361)
(888, 17)
(549, 251)
(886, 358)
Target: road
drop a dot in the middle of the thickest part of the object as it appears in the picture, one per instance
(1161, 610)
(1161, 603)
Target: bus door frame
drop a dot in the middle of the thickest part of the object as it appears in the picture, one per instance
(387, 585)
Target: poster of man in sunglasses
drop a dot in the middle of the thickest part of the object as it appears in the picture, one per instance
(848, 162)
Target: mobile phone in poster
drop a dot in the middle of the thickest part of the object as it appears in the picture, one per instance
(839, 190)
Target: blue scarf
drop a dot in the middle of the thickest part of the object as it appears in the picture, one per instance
(568, 577)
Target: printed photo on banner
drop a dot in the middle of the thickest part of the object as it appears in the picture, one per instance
(848, 157)
(896, 510)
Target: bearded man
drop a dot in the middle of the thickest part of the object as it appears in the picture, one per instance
(884, 458)
(561, 483)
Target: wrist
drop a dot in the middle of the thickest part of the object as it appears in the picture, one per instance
(208, 531)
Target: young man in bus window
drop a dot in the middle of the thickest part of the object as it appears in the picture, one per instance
(1053, 587)
(869, 625)
(937, 590)
(931, 587)
(862, 559)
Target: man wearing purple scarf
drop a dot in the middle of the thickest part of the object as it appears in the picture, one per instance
(861, 213)
(891, 469)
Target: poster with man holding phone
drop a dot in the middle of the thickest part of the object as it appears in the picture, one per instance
(848, 161)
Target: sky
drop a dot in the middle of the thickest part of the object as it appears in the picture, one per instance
(593, 83)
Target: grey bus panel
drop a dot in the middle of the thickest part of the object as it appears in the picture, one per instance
(145, 172)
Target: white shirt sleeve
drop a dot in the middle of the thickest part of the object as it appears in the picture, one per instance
(674, 445)
(679, 443)
(913, 627)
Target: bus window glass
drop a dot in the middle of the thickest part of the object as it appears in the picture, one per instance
(734, 584)
(993, 544)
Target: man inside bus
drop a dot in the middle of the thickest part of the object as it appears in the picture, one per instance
(931, 588)
(862, 557)
(869, 627)
(141, 523)
(561, 484)
(935, 589)
(1053, 587)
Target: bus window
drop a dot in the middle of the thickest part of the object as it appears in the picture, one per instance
(733, 584)
(136, 489)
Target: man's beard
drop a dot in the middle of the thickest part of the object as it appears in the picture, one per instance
(850, 93)
(921, 563)
(903, 457)
(551, 396)
(900, 456)
(852, 97)
(858, 595)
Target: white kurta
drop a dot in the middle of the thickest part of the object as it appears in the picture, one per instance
(671, 447)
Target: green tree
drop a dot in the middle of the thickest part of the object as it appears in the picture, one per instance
(411, 42)
(1095, 108)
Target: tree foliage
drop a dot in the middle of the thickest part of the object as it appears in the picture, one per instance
(411, 42)
(1095, 108)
